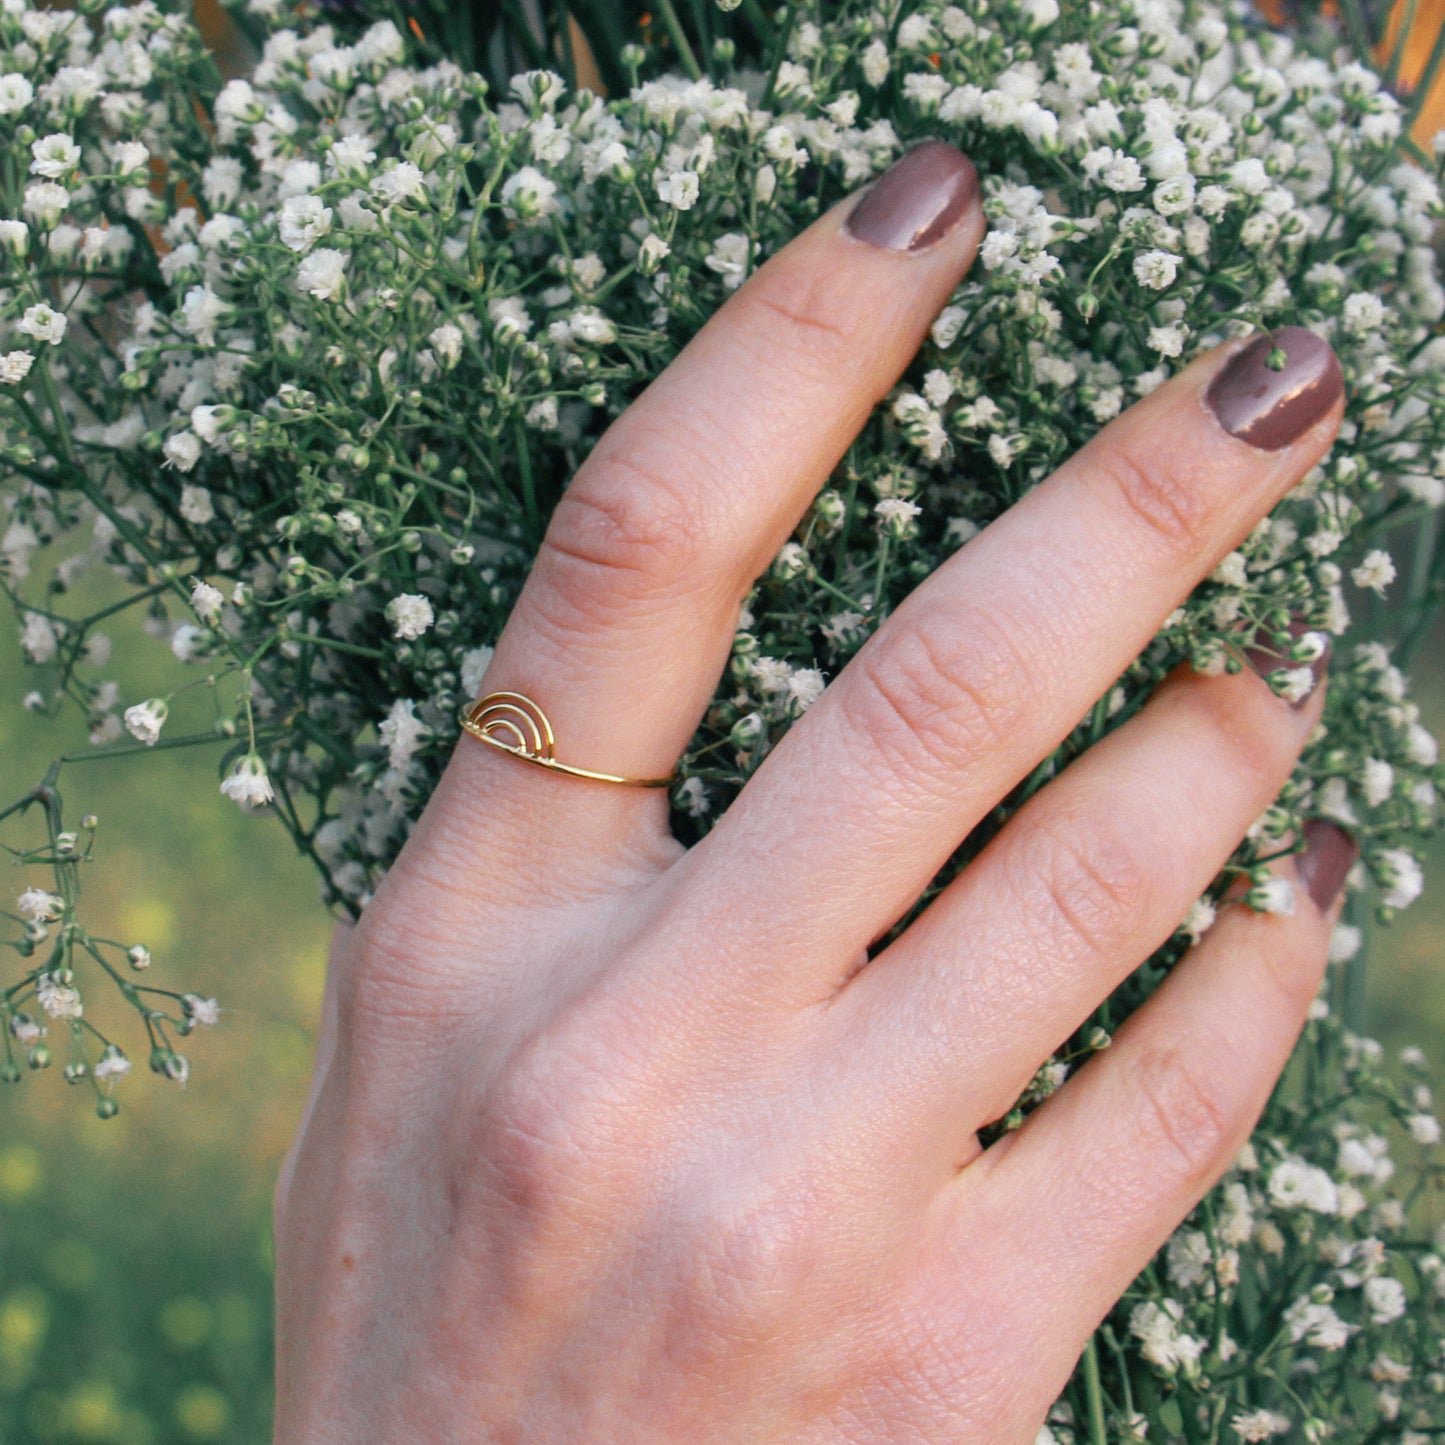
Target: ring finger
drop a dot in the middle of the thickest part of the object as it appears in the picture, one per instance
(1082, 885)
(626, 620)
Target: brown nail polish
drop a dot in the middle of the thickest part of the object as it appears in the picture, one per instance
(1329, 854)
(1264, 656)
(918, 200)
(1269, 408)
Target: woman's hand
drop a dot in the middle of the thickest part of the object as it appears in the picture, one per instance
(613, 1142)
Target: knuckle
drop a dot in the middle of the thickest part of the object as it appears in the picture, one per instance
(925, 704)
(1187, 1126)
(1166, 496)
(623, 533)
(754, 1265)
(806, 315)
(540, 1140)
(1092, 878)
(552, 1127)
(764, 1247)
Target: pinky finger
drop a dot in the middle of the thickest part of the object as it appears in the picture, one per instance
(1101, 1175)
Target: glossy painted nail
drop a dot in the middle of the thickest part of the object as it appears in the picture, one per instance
(1267, 405)
(918, 200)
(1328, 856)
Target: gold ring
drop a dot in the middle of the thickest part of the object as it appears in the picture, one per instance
(513, 723)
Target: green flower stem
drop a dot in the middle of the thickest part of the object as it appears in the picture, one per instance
(564, 37)
(78, 478)
(523, 454)
(837, 592)
(144, 595)
(374, 654)
(760, 21)
(1094, 1389)
(304, 841)
(129, 990)
(52, 400)
(779, 45)
(680, 41)
(189, 740)
(519, 28)
(1391, 73)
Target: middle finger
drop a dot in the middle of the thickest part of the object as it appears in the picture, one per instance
(988, 665)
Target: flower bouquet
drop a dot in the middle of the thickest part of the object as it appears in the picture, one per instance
(299, 363)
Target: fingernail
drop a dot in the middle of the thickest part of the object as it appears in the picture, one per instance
(1269, 407)
(1265, 656)
(1329, 854)
(918, 200)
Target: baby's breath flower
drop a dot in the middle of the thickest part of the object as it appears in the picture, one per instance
(200, 1010)
(248, 783)
(447, 341)
(112, 1066)
(1385, 1297)
(729, 258)
(15, 366)
(1296, 1184)
(221, 180)
(528, 195)
(44, 323)
(45, 203)
(16, 93)
(1346, 938)
(1363, 312)
(1199, 919)
(25, 1029)
(404, 183)
(303, 221)
(1376, 572)
(182, 450)
(1255, 1425)
(207, 601)
(1114, 169)
(54, 156)
(1402, 875)
(401, 732)
(1168, 340)
(1424, 1129)
(410, 615)
(1274, 895)
(59, 1000)
(196, 505)
(897, 516)
(1156, 269)
(322, 274)
(15, 237)
(39, 906)
(678, 189)
(144, 720)
(202, 313)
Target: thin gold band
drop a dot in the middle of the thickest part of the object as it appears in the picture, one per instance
(502, 715)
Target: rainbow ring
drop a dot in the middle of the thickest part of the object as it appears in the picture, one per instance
(513, 723)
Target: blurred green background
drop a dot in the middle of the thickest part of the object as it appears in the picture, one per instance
(135, 1253)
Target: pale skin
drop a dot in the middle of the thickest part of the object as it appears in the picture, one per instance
(610, 1141)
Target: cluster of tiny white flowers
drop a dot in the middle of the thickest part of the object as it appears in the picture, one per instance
(315, 401)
